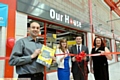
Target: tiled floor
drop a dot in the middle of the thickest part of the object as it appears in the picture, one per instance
(114, 72)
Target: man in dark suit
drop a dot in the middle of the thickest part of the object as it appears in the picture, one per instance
(79, 69)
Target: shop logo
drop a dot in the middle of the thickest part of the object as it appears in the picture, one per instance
(67, 19)
(1, 18)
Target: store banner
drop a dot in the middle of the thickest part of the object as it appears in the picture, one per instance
(51, 14)
(3, 15)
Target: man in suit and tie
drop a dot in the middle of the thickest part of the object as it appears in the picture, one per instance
(79, 69)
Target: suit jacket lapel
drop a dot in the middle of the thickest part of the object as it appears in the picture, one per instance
(75, 49)
(82, 48)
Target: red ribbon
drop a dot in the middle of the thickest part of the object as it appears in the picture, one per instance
(78, 57)
(3, 58)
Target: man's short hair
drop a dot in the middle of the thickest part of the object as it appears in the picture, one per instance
(32, 22)
(80, 35)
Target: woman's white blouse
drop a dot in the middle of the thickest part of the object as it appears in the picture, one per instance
(61, 64)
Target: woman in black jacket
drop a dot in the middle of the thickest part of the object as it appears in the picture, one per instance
(100, 64)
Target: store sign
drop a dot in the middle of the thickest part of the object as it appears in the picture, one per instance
(1, 18)
(64, 18)
(50, 14)
(3, 14)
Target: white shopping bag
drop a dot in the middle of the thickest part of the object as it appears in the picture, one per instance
(91, 76)
(71, 76)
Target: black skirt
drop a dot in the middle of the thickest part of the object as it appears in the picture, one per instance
(101, 72)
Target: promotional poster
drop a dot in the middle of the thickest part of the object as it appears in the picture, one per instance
(45, 56)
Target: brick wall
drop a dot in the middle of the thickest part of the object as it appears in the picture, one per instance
(80, 10)
(101, 14)
(21, 25)
(76, 8)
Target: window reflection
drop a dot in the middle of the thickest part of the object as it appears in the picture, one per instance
(107, 42)
(118, 48)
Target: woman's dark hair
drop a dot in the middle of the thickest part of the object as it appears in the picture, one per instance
(102, 43)
(60, 47)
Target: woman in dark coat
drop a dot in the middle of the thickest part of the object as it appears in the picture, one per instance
(100, 64)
